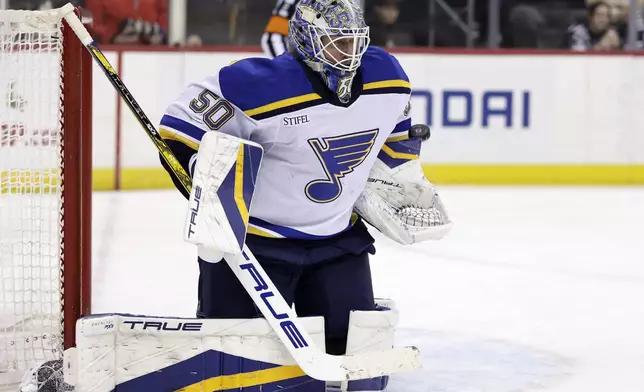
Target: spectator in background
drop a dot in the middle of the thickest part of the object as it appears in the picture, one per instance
(523, 25)
(140, 22)
(594, 34)
(619, 19)
(382, 25)
(193, 41)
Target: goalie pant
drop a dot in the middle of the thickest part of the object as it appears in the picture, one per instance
(325, 277)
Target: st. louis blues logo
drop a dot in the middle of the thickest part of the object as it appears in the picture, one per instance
(339, 156)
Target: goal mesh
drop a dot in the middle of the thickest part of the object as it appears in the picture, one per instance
(32, 176)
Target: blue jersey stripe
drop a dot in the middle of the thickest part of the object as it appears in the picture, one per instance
(256, 83)
(402, 126)
(378, 65)
(182, 126)
(288, 232)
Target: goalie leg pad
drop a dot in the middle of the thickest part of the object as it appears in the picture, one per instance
(371, 330)
(127, 353)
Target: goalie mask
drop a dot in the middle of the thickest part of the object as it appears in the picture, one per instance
(330, 36)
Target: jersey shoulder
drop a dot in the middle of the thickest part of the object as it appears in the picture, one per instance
(264, 88)
(382, 73)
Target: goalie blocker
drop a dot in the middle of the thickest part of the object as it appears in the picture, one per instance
(130, 353)
(223, 183)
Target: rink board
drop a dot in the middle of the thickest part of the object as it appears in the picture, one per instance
(496, 119)
(440, 174)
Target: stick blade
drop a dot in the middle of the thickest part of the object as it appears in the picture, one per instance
(382, 363)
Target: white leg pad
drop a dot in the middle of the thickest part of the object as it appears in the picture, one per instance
(372, 330)
(369, 331)
(115, 349)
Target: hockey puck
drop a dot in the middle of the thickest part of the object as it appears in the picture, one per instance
(419, 130)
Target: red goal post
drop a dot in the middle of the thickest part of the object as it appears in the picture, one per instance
(45, 189)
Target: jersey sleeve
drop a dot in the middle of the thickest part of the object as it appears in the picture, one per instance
(383, 73)
(199, 109)
(399, 148)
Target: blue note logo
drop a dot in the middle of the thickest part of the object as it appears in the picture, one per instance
(339, 156)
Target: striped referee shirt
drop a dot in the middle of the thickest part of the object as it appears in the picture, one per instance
(274, 39)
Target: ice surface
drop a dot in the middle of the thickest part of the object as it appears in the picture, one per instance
(535, 289)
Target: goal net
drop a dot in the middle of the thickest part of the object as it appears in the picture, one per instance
(45, 189)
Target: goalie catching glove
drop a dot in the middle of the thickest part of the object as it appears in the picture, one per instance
(402, 204)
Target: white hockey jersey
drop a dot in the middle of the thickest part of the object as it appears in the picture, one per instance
(318, 152)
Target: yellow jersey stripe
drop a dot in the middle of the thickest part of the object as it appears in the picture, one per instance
(259, 232)
(398, 155)
(167, 134)
(239, 186)
(398, 138)
(282, 104)
(387, 83)
(244, 380)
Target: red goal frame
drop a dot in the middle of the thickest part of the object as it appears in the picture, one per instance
(76, 213)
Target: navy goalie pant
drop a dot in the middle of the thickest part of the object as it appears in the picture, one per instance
(326, 278)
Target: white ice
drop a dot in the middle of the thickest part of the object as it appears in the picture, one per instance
(535, 289)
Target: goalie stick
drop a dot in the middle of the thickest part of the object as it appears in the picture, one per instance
(282, 318)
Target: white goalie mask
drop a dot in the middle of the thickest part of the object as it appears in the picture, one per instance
(331, 37)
